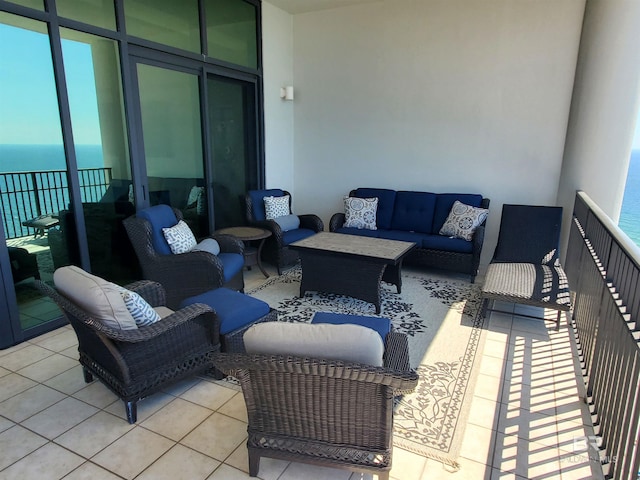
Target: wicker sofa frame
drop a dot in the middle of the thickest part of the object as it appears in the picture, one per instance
(136, 363)
(322, 412)
(186, 274)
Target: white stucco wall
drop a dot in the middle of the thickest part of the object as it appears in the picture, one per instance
(277, 45)
(435, 95)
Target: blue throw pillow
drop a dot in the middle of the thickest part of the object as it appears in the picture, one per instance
(288, 222)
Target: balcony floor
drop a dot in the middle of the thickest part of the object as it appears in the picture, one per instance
(527, 420)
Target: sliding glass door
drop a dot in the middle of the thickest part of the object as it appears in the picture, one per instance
(233, 132)
(172, 140)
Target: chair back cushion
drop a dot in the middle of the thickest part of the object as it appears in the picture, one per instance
(413, 211)
(257, 201)
(348, 342)
(101, 299)
(386, 201)
(159, 217)
(529, 234)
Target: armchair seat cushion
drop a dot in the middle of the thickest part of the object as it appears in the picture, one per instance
(234, 309)
(232, 263)
(294, 235)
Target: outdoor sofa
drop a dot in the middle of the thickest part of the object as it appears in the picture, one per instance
(419, 217)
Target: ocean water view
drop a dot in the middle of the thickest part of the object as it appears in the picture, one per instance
(26, 195)
(630, 214)
(35, 158)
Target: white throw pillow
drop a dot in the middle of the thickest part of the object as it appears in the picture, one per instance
(100, 298)
(360, 212)
(140, 310)
(208, 245)
(346, 342)
(463, 220)
(275, 207)
(180, 238)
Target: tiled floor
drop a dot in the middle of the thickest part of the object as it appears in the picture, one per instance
(527, 419)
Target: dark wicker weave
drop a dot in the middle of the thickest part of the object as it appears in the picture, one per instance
(323, 412)
(525, 268)
(136, 363)
(186, 274)
(467, 263)
(275, 251)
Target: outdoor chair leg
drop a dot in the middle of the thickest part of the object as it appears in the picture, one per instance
(132, 412)
(254, 463)
(88, 376)
(558, 321)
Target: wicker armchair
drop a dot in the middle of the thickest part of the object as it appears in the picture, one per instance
(276, 248)
(136, 363)
(323, 412)
(186, 274)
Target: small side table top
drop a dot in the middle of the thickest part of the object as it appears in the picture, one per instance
(246, 233)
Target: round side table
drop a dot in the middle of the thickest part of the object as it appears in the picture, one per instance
(252, 255)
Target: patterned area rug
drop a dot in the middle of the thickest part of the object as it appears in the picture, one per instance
(442, 320)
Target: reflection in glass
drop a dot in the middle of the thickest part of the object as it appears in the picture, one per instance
(94, 12)
(170, 107)
(92, 71)
(33, 182)
(231, 31)
(165, 21)
(37, 4)
(233, 141)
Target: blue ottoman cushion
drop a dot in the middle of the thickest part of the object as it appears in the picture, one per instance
(235, 310)
(380, 325)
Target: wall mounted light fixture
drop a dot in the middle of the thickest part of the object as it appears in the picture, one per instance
(286, 93)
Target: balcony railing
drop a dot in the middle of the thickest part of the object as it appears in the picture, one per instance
(603, 267)
(27, 195)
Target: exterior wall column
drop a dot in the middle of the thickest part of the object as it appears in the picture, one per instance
(604, 108)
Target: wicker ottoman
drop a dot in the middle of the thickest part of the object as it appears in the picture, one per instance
(236, 311)
(381, 325)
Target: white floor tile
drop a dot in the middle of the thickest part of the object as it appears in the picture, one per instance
(133, 452)
(50, 462)
(180, 463)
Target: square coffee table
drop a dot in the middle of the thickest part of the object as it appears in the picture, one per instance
(350, 264)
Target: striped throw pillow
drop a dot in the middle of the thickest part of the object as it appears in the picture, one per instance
(140, 310)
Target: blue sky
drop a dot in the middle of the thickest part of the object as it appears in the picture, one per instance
(28, 105)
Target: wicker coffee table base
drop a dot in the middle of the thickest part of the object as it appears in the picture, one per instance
(353, 276)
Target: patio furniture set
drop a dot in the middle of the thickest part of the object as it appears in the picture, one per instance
(190, 316)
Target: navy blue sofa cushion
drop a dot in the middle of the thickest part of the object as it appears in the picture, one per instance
(413, 211)
(363, 232)
(386, 203)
